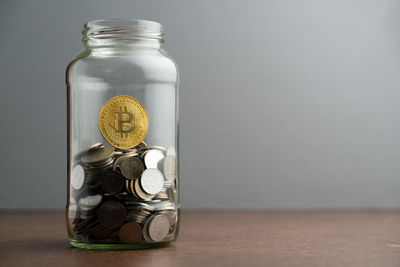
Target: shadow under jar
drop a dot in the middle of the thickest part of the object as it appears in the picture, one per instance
(122, 94)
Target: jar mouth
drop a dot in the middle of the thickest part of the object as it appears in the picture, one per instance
(122, 29)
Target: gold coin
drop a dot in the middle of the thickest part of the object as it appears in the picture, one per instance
(123, 122)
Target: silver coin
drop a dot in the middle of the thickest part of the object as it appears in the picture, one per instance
(152, 158)
(170, 168)
(159, 227)
(146, 236)
(140, 206)
(152, 147)
(163, 191)
(160, 197)
(136, 216)
(141, 146)
(164, 206)
(85, 214)
(118, 153)
(127, 150)
(173, 219)
(97, 145)
(151, 181)
(97, 156)
(172, 229)
(131, 167)
(89, 202)
(154, 201)
(92, 147)
(117, 162)
(139, 212)
(171, 151)
(168, 184)
(77, 177)
(172, 216)
(72, 210)
(103, 164)
(157, 147)
(140, 193)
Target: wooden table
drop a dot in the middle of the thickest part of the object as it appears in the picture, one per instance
(220, 239)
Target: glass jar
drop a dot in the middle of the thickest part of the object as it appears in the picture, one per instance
(122, 94)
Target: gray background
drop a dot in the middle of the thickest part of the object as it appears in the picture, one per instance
(284, 104)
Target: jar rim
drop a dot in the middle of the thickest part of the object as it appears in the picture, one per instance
(120, 27)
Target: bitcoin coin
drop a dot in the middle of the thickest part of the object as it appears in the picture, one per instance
(123, 122)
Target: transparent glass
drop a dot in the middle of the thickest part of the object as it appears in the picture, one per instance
(106, 207)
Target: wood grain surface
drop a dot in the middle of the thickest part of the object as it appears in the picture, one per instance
(219, 239)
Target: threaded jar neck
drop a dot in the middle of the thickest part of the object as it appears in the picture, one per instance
(114, 32)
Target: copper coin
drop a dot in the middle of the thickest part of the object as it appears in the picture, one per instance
(111, 214)
(130, 233)
(112, 182)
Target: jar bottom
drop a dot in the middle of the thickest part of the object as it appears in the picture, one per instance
(115, 246)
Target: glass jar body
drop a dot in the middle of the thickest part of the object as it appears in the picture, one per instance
(109, 204)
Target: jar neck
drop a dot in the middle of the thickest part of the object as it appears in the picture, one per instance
(122, 34)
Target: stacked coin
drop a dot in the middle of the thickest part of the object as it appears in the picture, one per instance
(123, 195)
(138, 212)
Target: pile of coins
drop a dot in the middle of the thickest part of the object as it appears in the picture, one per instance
(123, 195)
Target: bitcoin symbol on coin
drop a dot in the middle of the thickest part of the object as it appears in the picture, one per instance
(123, 122)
